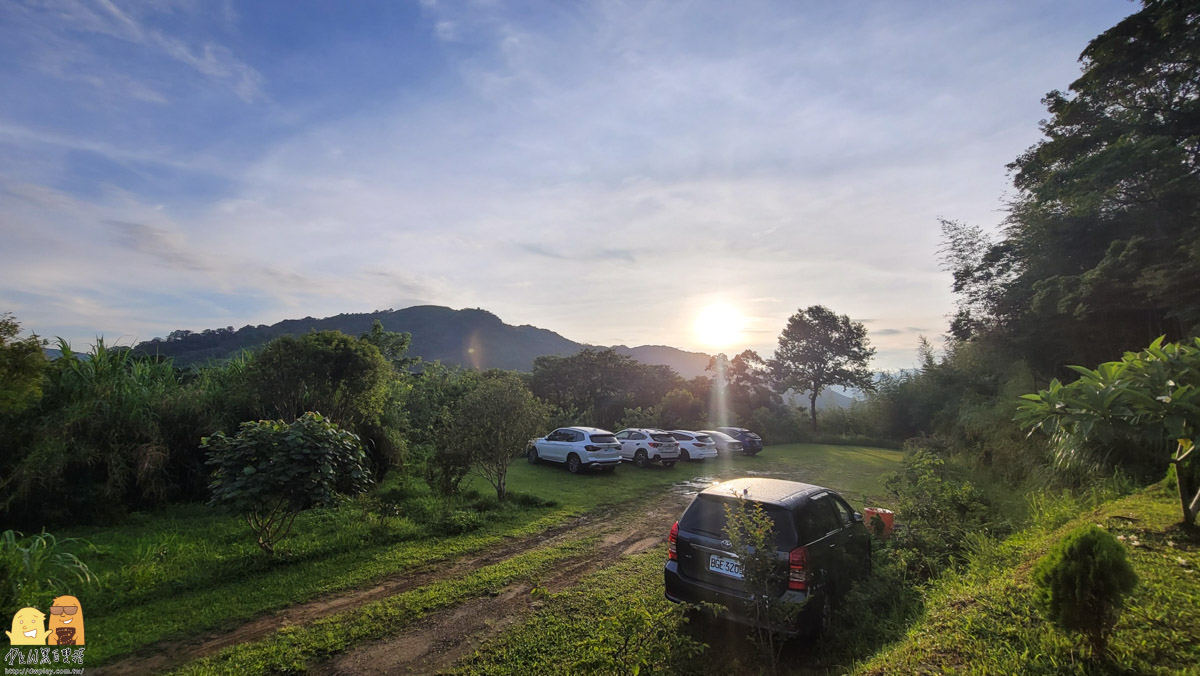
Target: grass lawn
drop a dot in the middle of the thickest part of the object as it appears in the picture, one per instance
(188, 569)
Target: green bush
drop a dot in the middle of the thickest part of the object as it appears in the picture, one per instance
(1080, 584)
(35, 568)
(460, 521)
(273, 470)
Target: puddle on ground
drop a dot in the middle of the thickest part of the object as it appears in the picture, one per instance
(693, 486)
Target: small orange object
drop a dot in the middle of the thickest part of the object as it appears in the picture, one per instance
(887, 516)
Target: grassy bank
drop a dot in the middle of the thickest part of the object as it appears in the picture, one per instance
(983, 620)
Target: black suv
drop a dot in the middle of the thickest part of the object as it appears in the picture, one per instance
(751, 442)
(819, 539)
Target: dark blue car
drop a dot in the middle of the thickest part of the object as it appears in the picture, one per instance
(751, 442)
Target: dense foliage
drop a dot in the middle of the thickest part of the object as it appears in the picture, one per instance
(1142, 411)
(21, 363)
(1080, 583)
(271, 471)
(36, 568)
(818, 349)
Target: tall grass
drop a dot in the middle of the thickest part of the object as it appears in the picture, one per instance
(34, 568)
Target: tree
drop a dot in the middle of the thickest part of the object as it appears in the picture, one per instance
(818, 349)
(1100, 250)
(1138, 409)
(679, 409)
(21, 364)
(747, 380)
(493, 424)
(272, 470)
(1080, 583)
(436, 391)
(601, 384)
(393, 345)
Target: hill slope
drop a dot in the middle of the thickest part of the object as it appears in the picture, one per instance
(984, 621)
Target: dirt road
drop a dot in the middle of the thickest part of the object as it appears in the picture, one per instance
(443, 636)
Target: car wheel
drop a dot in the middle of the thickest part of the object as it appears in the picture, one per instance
(573, 464)
(641, 459)
(531, 455)
(668, 465)
(684, 456)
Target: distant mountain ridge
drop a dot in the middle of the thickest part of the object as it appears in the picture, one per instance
(469, 337)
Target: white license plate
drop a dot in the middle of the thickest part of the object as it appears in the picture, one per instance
(725, 566)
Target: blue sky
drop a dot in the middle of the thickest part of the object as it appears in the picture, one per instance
(606, 170)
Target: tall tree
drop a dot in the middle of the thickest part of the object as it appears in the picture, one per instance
(1101, 250)
(818, 349)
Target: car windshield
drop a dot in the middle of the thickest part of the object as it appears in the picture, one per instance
(706, 516)
(679, 436)
(603, 439)
(722, 436)
(661, 436)
(703, 438)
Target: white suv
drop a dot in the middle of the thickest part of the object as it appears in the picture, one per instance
(644, 445)
(579, 448)
(694, 445)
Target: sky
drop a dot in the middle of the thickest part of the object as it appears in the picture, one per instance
(607, 170)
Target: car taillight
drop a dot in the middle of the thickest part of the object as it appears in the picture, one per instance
(591, 449)
(797, 569)
(671, 553)
(654, 444)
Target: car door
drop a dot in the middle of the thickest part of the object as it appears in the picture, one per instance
(819, 526)
(623, 438)
(630, 448)
(856, 542)
(554, 446)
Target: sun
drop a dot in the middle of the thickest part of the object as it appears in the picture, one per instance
(719, 326)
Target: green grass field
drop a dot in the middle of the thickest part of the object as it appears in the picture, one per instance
(189, 569)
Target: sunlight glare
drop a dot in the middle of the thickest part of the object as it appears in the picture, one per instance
(719, 326)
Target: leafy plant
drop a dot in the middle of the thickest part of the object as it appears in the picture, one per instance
(1142, 405)
(1080, 583)
(273, 470)
(37, 566)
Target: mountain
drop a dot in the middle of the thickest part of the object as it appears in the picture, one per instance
(469, 337)
(686, 364)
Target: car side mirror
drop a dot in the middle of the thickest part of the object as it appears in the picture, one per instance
(858, 517)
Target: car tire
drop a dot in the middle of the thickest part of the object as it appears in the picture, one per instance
(641, 459)
(532, 455)
(684, 456)
(669, 464)
(574, 466)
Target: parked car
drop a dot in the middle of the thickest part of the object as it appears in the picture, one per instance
(751, 442)
(819, 539)
(643, 445)
(694, 445)
(579, 448)
(725, 443)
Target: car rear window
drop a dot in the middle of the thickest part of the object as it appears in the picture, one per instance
(703, 438)
(706, 515)
(603, 439)
(680, 437)
(662, 437)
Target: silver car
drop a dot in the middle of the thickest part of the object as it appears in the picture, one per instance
(725, 443)
(579, 448)
(645, 445)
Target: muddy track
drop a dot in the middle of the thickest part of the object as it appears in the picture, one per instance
(167, 655)
(443, 637)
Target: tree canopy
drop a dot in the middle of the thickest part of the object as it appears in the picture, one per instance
(819, 348)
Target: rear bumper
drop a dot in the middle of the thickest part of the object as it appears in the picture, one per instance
(599, 462)
(701, 453)
(681, 589)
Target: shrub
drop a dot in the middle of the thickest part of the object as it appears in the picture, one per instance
(459, 521)
(636, 638)
(1080, 583)
(34, 568)
(273, 470)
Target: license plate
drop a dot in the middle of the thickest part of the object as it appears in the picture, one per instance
(725, 566)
